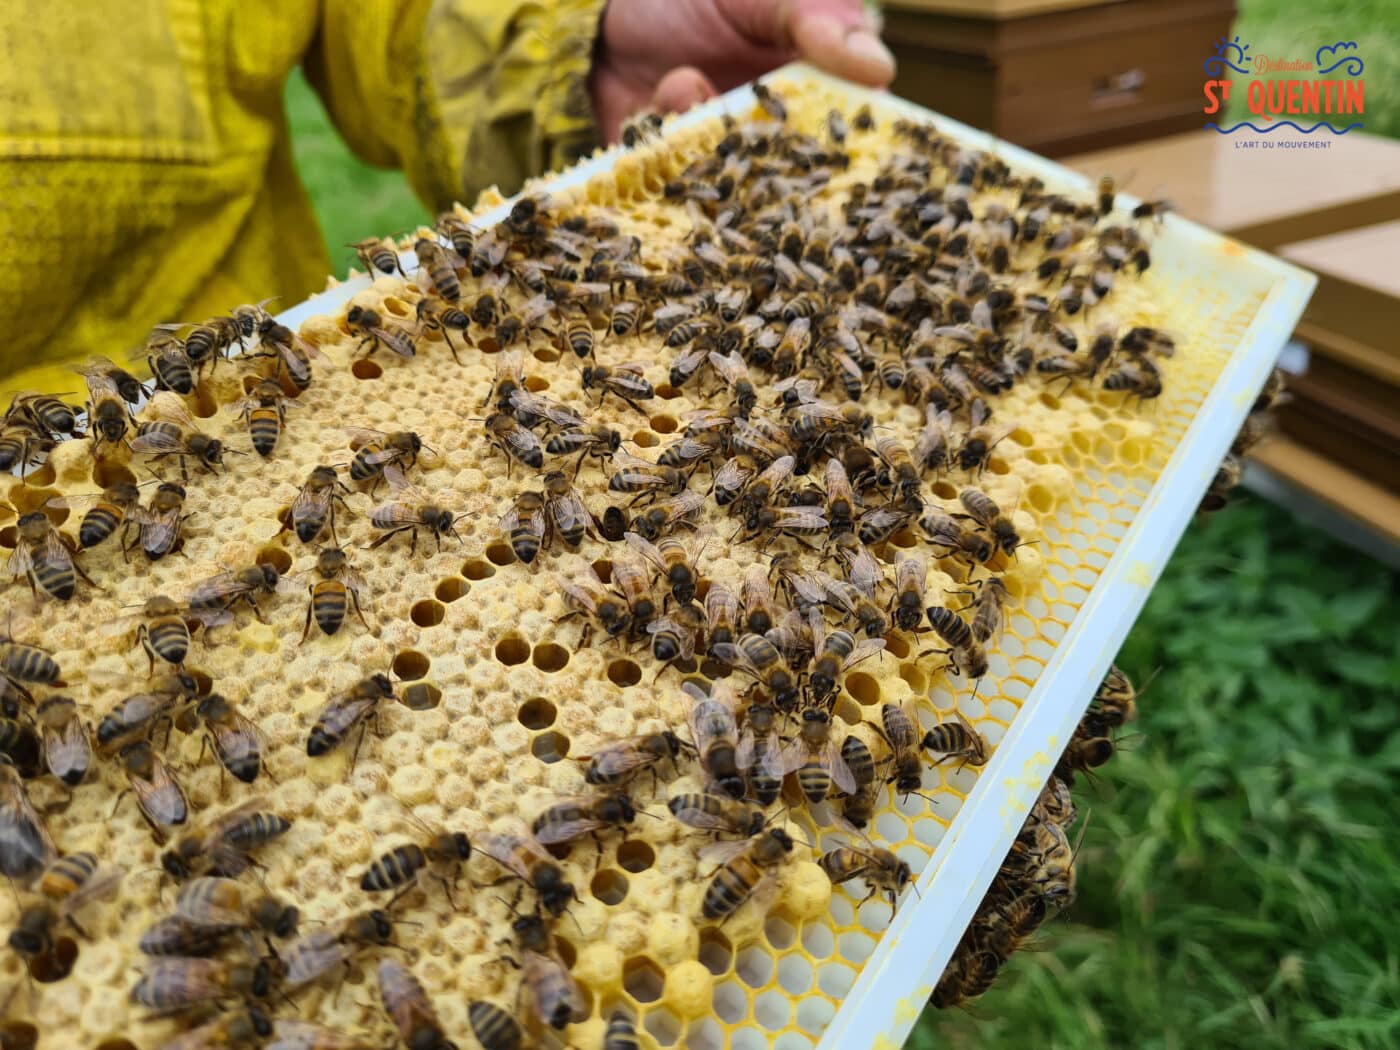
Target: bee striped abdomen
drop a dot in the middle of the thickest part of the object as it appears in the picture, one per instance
(394, 869)
(329, 599)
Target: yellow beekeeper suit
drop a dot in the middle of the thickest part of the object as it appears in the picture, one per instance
(146, 162)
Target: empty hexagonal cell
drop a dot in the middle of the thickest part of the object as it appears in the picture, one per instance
(451, 588)
(875, 913)
(864, 688)
(897, 645)
(609, 886)
(410, 665)
(890, 827)
(835, 980)
(754, 967)
(643, 979)
(772, 1010)
(427, 613)
(538, 713)
(420, 696)
(705, 1034)
(500, 554)
(716, 953)
(779, 933)
(512, 650)
(814, 1014)
(634, 855)
(625, 673)
(929, 832)
(795, 974)
(549, 657)
(550, 747)
(476, 569)
(364, 368)
(664, 1026)
(751, 1039)
(842, 909)
(664, 424)
(818, 940)
(855, 945)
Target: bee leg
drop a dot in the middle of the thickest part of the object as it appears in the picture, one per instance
(355, 601)
(307, 628)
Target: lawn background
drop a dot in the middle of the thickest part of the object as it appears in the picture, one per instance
(1240, 880)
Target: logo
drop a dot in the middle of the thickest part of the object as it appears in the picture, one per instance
(1321, 95)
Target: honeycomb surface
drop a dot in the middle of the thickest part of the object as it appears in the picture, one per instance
(520, 698)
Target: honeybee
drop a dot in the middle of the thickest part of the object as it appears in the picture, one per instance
(709, 812)
(904, 475)
(410, 511)
(1082, 754)
(632, 583)
(721, 615)
(757, 741)
(931, 448)
(944, 531)
(715, 734)
(163, 631)
(374, 331)
(337, 590)
(67, 748)
(910, 581)
(1006, 929)
(731, 479)
(265, 412)
(207, 342)
(432, 313)
(989, 610)
(858, 808)
(235, 739)
(1138, 378)
(738, 878)
(43, 413)
(553, 993)
(76, 878)
(572, 818)
(901, 733)
(879, 868)
(514, 441)
(42, 555)
(599, 441)
(691, 451)
(435, 263)
(170, 984)
(313, 510)
(441, 855)
(169, 364)
(20, 663)
(375, 450)
(293, 353)
(836, 653)
(314, 954)
(735, 373)
(137, 715)
(222, 592)
(347, 710)
(958, 739)
(243, 1029)
(1154, 210)
(965, 652)
(493, 1027)
(815, 757)
(980, 439)
(617, 763)
(588, 598)
(223, 846)
(517, 850)
(674, 560)
(1049, 867)
(1114, 702)
(160, 439)
(763, 490)
(25, 846)
(856, 604)
(624, 381)
(375, 254)
(409, 1007)
(646, 479)
(224, 903)
(526, 525)
(880, 523)
(981, 509)
(159, 796)
(967, 976)
(460, 234)
(673, 636)
(759, 658)
(785, 521)
(640, 127)
(109, 510)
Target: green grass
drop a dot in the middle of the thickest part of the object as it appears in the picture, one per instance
(1240, 877)
(1239, 859)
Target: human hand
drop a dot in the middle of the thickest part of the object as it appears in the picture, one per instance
(667, 55)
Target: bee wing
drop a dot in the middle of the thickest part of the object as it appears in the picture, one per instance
(808, 587)
(730, 366)
(361, 436)
(836, 766)
(635, 368)
(800, 518)
(568, 830)
(400, 485)
(720, 853)
(522, 440)
(158, 441)
(20, 561)
(778, 472)
(733, 474)
(779, 762)
(647, 550)
(624, 459)
(727, 653)
(743, 754)
(619, 759)
(513, 838)
(569, 512)
(25, 845)
(309, 501)
(559, 415)
(215, 589)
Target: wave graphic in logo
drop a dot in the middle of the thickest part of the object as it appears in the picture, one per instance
(1353, 63)
(1282, 123)
(1216, 65)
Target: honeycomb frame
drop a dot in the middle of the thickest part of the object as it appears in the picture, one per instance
(778, 978)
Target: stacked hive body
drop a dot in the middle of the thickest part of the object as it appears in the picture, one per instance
(515, 697)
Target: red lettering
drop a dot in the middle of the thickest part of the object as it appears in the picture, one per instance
(1212, 103)
(1354, 94)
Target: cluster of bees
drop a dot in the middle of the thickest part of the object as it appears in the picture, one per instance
(787, 322)
(1037, 876)
(1257, 425)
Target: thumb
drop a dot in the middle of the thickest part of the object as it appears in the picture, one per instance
(680, 89)
(839, 45)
